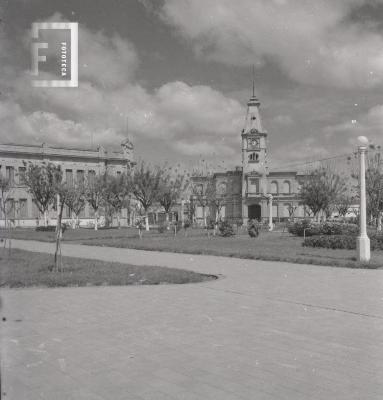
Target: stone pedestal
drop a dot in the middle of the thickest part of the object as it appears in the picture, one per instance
(363, 248)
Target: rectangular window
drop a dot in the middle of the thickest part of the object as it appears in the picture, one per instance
(91, 177)
(253, 185)
(69, 177)
(35, 210)
(10, 174)
(21, 175)
(80, 177)
(10, 208)
(23, 208)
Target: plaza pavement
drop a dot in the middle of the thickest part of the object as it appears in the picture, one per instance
(265, 330)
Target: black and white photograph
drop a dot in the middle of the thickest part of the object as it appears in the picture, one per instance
(191, 199)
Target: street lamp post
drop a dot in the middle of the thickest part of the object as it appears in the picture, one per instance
(270, 212)
(363, 242)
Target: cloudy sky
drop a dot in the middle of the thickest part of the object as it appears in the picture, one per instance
(179, 71)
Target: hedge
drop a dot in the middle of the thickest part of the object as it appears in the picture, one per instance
(308, 228)
(341, 241)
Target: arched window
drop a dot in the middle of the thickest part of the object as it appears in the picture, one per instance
(274, 187)
(286, 187)
(253, 156)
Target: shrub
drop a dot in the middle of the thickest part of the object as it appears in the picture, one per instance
(297, 228)
(331, 242)
(308, 228)
(376, 240)
(337, 228)
(187, 224)
(163, 227)
(342, 241)
(49, 228)
(210, 223)
(226, 229)
(253, 228)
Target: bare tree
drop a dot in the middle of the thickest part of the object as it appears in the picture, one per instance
(216, 196)
(198, 196)
(172, 185)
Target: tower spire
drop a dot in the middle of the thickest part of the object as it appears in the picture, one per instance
(253, 81)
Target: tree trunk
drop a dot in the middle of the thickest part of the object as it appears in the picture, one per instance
(58, 258)
(146, 222)
(95, 220)
(204, 216)
(379, 224)
(45, 218)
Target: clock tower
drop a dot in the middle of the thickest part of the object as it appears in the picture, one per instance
(254, 161)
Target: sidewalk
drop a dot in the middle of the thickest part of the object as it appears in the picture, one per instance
(265, 330)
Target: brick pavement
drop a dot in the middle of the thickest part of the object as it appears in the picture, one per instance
(265, 330)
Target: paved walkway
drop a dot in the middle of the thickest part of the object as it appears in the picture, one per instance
(266, 330)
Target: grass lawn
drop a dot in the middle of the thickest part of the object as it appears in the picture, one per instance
(272, 246)
(24, 269)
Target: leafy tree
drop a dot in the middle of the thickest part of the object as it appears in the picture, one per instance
(5, 191)
(94, 192)
(116, 192)
(146, 184)
(172, 185)
(374, 189)
(320, 190)
(63, 192)
(41, 180)
(75, 198)
(343, 203)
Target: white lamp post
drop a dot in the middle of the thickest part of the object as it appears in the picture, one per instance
(270, 196)
(363, 242)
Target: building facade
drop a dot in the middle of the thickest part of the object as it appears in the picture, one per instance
(76, 164)
(252, 191)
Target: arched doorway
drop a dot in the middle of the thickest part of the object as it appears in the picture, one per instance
(254, 211)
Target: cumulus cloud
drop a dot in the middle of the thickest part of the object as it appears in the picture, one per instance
(314, 42)
(109, 98)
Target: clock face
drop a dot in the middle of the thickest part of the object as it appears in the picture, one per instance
(254, 142)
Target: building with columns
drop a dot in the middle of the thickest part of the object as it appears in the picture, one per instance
(77, 165)
(252, 191)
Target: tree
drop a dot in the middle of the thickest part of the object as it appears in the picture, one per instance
(172, 185)
(41, 180)
(63, 193)
(320, 190)
(116, 192)
(5, 191)
(343, 203)
(216, 196)
(94, 192)
(146, 186)
(374, 189)
(75, 199)
(198, 196)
